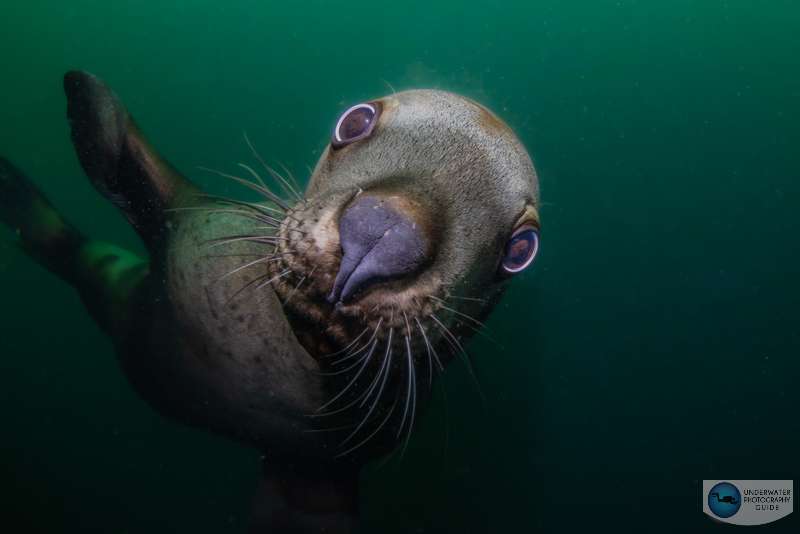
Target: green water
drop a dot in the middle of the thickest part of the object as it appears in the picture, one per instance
(653, 344)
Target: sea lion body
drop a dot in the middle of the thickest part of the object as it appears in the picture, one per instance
(311, 328)
(215, 359)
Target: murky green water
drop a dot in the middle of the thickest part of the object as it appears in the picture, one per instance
(653, 344)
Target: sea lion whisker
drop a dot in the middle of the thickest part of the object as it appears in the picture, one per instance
(307, 277)
(252, 205)
(251, 282)
(289, 174)
(339, 410)
(386, 357)
(261, 187)
(463, 365)
(465, 298)
(428, 347)
(210, 243)
(394, 93)
(264, 240)
(274, 278)
(366, 359)
(258, 157)
(374, 432)
(439, 371)
(461, 322)
(258, 213)
(455, 347)
(384, 371)
(256, 262)
(412, 384)
(446, 417)
(266, 218)
(446, 331)
(293, 292)
(274, 174)
(480, 324)
(369, 413)
(410, 391)
(259, 209)
(272, 222)
(244, 254)
(247, 140)
(351, 354)
(358, 361)
(327, 429)
(408, 326)
(479, 331)
(255, 187)
(458, 351)
(351, 343)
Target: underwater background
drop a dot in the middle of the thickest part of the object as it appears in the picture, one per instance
(653, 344)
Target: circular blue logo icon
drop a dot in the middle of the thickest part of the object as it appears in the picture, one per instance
(724, 499)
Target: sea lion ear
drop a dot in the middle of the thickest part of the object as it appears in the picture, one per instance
(118, 159)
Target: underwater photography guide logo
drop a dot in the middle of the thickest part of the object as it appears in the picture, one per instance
(748, 502)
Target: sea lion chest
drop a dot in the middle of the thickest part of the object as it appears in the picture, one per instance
(221, 355)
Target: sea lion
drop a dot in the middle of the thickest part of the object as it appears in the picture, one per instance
(311, 327)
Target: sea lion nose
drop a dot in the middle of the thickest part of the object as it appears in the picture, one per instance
(378, 243)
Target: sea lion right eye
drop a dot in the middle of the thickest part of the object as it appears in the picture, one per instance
(519, 251)
(356, 123)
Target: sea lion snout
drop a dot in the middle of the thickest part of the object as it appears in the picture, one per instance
(379, 242)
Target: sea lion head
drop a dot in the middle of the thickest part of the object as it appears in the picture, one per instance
(417, 215)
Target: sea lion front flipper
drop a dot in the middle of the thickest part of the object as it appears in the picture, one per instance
(44, 235)
(103, 274)
(119, 160)
(312, 501)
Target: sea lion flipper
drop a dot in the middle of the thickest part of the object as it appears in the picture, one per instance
(319, 500)
(103, 274)
(119, 160)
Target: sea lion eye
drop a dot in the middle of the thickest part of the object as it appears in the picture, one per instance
(520, 251)
(356, 123)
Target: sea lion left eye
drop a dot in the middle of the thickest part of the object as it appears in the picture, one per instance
(356, 123)
(520, 251)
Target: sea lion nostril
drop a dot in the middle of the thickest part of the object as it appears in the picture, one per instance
(378, 244)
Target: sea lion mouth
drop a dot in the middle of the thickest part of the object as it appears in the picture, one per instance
(378, 244)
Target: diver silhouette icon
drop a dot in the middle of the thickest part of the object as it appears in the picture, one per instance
(727, 498)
